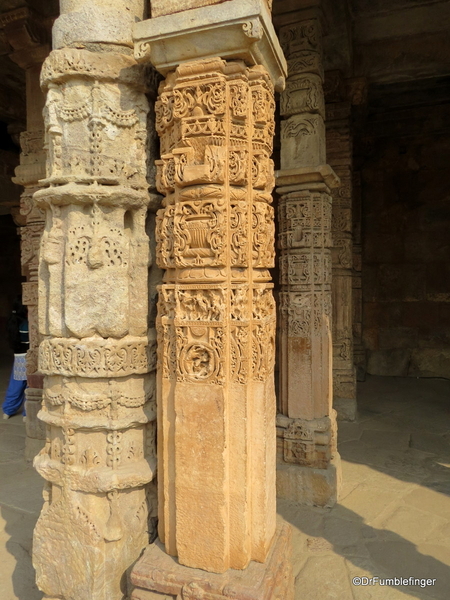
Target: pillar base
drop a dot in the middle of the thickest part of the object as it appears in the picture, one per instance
(158, 576)
(310, 486)
(345, 408)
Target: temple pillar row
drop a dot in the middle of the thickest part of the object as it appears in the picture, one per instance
(97, 352)
(29, 38)
(309, 465)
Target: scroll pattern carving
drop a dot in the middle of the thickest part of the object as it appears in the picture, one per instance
(216, 323)
(97, 355)
(305, 242)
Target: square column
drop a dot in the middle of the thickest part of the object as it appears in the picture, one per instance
(309, 465)
(216, 313)
(340, 157)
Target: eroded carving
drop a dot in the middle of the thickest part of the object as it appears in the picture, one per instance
(216, 312)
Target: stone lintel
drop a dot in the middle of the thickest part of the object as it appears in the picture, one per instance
(158, 572)
(290, 178)
(238, 29)
(310, 486)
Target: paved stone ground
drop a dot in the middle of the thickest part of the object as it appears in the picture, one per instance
(393, 519)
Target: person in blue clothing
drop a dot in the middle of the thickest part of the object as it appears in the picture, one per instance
(19, 341)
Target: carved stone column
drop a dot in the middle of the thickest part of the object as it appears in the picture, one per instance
(339, 156)
(309, 465)
(28, 35)
(97, 354)
(359, 352)
(216, 314)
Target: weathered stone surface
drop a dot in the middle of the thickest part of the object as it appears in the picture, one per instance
(308, 485)
(157, 571)
(340, 157)
(236, 29)
(169, 7)
(307, 423)
(216, 315)
(97, 352)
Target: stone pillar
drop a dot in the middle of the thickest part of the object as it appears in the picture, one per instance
(357, 95)
(339, 156)
(309, 465)
(359, 352)
(216, 314)
(29, 37)
(97, 353)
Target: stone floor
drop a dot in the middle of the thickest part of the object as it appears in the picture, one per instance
(393, 519)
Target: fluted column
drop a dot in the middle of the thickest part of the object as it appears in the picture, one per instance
(97, 353)
(309, 465)
(216, 313)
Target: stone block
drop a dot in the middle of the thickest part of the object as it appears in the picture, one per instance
(430, 362)
(394, 362)
(236, 29)
(313, 487)
(383, 248)
(401, 282)
(370, 338)
(370, 283)
(87, 22)
(169, 7)
(158, 572)
(398, 337)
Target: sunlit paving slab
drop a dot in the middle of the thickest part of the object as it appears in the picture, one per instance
(392, 521)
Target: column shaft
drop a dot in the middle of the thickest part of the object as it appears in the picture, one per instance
(216, 315)
(29, 37)
(339, 156)
(309, 463)
(97, 354)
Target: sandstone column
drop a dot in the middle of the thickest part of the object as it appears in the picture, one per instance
(339, 156)
(97, 354)
(359, 353)
(309, 469)
(28, 35)
(216, 314)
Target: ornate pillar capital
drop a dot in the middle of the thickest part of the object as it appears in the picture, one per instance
(216, 312)
(238, 29)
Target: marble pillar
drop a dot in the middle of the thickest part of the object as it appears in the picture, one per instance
(216, 313)
(97, 353)
(309, 465)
